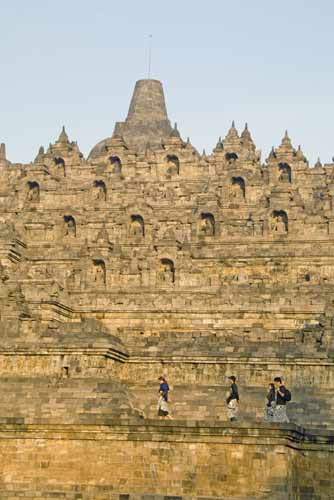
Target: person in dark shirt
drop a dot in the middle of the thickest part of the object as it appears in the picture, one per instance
(163, 408)
(232, 399)
(271, 403)
(281, 398)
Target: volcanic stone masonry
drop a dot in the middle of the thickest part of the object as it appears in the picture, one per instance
(149, 258)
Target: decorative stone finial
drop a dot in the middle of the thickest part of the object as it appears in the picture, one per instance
(286, 138)
(232, 137)
(286, 145)
(300, 154)
(272, 153)
(40, 154)
(175, 132)
(219, 146)
(318, 163)
(246, 137)
(63, 137)
(2, 151)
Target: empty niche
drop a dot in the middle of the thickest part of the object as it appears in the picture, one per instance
(166, 272)
(238, 188)
(137, 226)
(279, 222)
(33, 191)
(206, 224)
(99, 190)
(116, 164)
(99, 272)
(284, 172)
(70, 226)
(173, 165)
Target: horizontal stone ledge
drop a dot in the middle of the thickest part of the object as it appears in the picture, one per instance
(226, 314)
(157, 359)
(56, 351)
(231, 360)
(224, 433)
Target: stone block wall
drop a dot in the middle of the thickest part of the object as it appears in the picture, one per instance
(157, 461)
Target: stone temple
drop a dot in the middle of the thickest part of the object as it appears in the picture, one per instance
(148, 258)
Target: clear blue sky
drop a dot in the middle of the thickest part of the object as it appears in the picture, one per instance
(75, 62)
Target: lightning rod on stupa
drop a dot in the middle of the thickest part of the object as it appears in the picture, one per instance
(149, 56)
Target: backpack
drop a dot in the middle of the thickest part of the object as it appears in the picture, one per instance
(287, 395)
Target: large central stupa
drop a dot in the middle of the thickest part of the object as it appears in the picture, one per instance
(147, 123)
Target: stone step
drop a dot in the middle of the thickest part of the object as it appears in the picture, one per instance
(198, 402)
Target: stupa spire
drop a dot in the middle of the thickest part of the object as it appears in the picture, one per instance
(40, 154)
(147, 119)
(63, 137)
(232, 137)
(148, 102)
(286, 139)
(318, 163)
(246, 136)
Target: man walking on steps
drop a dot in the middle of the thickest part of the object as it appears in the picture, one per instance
(282, 396)
(232, 399)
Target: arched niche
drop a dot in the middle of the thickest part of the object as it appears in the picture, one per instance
(59, 161)
(238, 188)
(279, 222)
(33, 191)
(99, 272)
(173, 165)
(231, 158)
(166, 271)
(284, 172)
(206, 224)
(99, 190)
(137, 225)
(70, 226)
(116, 164)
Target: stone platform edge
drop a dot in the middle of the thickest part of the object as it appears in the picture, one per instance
(289, 435)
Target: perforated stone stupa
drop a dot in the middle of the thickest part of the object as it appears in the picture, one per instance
(149, 258)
